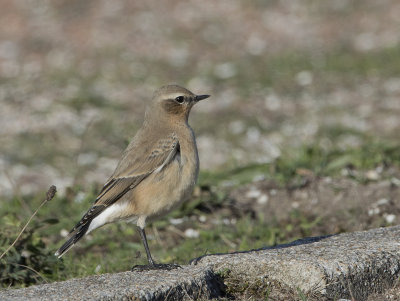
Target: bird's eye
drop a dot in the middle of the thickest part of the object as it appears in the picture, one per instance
(180, 99)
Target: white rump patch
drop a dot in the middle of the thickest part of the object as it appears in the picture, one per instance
(109, 215)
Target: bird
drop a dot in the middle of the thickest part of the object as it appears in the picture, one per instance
(156, 173)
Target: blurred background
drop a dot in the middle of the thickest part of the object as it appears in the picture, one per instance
(305, 97)
(76, 75)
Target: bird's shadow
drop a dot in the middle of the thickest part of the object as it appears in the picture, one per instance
(302, 241)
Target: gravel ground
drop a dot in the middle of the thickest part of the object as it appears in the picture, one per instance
(75, 76)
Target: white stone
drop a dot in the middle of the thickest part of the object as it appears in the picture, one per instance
(381, 202)
(304, 78)
(390, 218)
(253, 193)
(176, 221)
(262, 199)
(191, 233)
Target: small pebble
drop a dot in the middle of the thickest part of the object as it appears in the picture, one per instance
(191, 233)
(262, 199)
(372, 175)
(253, 193)
(382, 202)
(373, 211)
(395, 181)
(64, 232)
(176, 221)
(390, 218)
(97, 269)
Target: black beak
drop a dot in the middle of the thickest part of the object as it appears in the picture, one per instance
(201, 97)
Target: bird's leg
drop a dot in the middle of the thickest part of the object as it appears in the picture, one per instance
(151, 265)
(146, 246)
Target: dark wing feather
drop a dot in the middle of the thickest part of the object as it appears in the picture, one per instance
(144, 155)
(129, 177)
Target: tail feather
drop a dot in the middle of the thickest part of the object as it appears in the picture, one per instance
(76, 236)
(80, 229)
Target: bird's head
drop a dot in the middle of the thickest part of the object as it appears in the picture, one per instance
(173, 102)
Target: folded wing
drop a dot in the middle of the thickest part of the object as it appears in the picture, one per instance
(131, 170)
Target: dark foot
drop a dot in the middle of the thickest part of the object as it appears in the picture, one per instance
(160, 266)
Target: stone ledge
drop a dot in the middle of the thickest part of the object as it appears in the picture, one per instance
(350, 265)
(186, 283)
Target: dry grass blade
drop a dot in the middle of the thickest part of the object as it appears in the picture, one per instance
(49, 196)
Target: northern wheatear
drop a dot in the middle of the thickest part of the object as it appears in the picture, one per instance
(157, 171)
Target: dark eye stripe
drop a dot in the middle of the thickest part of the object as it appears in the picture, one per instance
(173, 107)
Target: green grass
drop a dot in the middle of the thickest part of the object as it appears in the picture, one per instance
(117, 247)
(314, 158)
